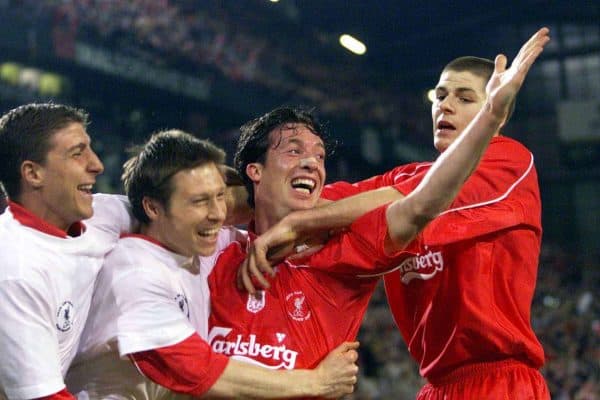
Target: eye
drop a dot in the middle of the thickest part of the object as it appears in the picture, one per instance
(200, 202)
(466, 100)
(440, 97)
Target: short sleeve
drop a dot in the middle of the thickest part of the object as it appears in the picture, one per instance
(30, 365)
(148, 313)
(112, 213)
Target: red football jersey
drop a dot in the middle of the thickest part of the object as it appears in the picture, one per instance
(312, 306)
(466, 296)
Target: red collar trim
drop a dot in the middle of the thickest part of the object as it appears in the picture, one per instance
(27, 218)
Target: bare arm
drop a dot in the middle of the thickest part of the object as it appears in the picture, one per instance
(280, 240)
(443, 181)
(407, 216)
(334, 377)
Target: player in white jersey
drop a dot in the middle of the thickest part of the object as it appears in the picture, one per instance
(50, 258)
(146, 336)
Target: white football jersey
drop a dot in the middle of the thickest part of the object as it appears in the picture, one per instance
(46, 285)
(146, 297)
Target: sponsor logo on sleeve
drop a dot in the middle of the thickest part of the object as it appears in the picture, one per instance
(422, 266)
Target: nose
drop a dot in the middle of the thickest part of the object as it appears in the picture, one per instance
(446, 105)
(95, 165)
(217, 210)
(309, 163)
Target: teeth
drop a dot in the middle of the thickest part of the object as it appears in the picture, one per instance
(209, 232)
(87, 188)
(303, 185)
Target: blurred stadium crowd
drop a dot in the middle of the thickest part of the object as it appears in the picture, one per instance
(187, 36)
(182, 35)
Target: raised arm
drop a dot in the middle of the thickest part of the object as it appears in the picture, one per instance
(406, 216)
(443, 181)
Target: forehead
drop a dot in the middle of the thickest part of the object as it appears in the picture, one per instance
(72, 134)
(294, 133)
(203, 179)
(453, 80)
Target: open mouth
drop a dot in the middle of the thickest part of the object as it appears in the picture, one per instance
(87, 189)
(304, 185)
(208, 232)
(445, 125)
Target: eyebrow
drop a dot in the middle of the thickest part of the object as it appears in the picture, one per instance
(80, 146)
(300, 143)
(459, 90)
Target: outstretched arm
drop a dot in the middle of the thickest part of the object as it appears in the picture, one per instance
(443, 181)
(191, 367)
(406, 216)
(334, 377)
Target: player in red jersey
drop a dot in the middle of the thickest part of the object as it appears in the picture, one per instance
(309, 301)
(463, 313)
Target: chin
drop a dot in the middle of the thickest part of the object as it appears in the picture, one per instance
(86, 214)
(206, 251)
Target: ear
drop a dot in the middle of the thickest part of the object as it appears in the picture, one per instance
(254, 171)
(152, 208)
(32, 174)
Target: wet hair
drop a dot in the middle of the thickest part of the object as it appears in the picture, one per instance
(148, 173)
(255, 139)
(26, 133)
(481, 67)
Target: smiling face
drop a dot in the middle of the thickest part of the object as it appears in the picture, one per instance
(292, 176)
(64, 181)
(458, 98)
(190, 224)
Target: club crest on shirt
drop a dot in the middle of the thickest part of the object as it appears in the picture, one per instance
(64, 316)
(256, 302)
(297, 307)
(182, 302)
(422, 266)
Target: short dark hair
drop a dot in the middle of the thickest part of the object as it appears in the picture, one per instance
(254, 141)
(25, 134)
(482, 67)
(148, 173)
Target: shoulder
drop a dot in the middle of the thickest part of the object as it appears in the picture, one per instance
(503, 147)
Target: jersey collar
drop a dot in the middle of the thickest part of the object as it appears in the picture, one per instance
(27, 218)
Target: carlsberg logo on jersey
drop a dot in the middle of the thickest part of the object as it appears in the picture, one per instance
(422, 266)
(251, 351)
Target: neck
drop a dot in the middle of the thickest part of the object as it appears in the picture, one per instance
(267, 215)
(40, 209)
(263, 220)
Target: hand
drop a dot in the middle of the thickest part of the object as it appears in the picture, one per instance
(504, 83)
(337, 372)
(281, 238)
